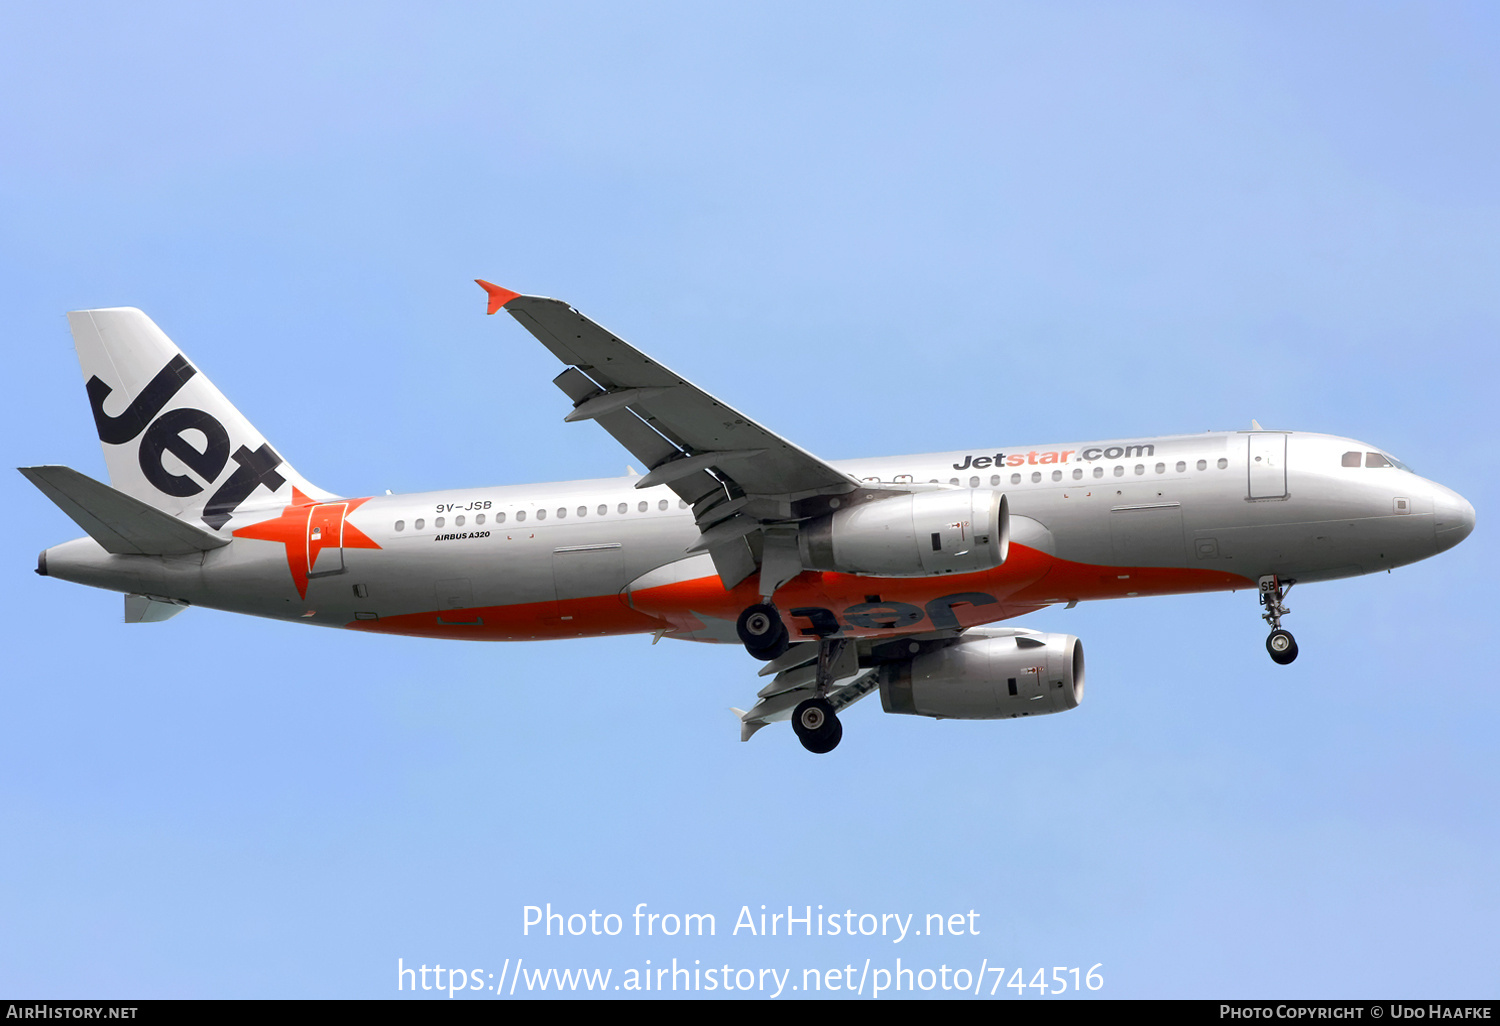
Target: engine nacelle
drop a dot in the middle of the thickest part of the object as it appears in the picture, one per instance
(988, 674)
(957, 530)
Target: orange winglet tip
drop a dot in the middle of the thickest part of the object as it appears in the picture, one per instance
(498, 296)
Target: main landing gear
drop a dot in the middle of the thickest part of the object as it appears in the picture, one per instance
(1280, 643)
(817, 726)
(764, 635)
(814, 720)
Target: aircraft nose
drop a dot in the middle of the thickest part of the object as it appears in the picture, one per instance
(1453, 518)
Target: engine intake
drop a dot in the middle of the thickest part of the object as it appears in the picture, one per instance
(988, 674)
(959, 530)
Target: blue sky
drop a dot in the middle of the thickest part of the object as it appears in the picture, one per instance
(876, 228)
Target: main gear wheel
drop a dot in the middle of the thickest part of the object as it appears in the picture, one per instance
(817, 726)
(761, 631)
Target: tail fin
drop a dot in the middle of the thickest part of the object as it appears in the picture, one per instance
(170, 437)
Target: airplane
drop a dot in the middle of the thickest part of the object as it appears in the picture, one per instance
(843, 578)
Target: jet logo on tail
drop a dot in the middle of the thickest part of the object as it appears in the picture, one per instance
(167, 434)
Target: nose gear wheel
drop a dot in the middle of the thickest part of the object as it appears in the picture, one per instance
(1280, 644)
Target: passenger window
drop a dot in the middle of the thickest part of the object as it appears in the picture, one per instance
(541, 514)
(1036, 476)
(1161, 468)
(662, 505)
(420, 524)
(1119, 470)
(458, 521)
(682, 504)
(479, 519)
(641, 507)
(1098, 471)
(438, 523)
(973, 482)
(1374, 459)
(583, 511)
(994, 480)
(1077, 473)
(1181, 466)
(561, 513)
(1203, 464)
(401, 525)
(1223, 463)
(499, 518)
(623, 508)
(1351, 459)
(1015, 479)
(953, 480)
(520, 516)
(1140, 468)
(603, 509)
(1057, 475)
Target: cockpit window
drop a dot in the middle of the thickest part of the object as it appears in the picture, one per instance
(1373, 459)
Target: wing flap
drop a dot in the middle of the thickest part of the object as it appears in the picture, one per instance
(733, 560)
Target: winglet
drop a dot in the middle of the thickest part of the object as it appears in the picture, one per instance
(498, 296)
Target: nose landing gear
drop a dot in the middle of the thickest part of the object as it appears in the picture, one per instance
(1280, 643)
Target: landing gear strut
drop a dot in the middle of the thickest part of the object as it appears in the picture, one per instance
(814, 720)
(762, 632)
(1280, 643)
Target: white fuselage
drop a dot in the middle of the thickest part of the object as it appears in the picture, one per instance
(1088, 520)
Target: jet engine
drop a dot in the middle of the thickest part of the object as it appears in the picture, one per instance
(987, 674)
(959, 530)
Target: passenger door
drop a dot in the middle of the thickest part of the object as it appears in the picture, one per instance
(1266, 458)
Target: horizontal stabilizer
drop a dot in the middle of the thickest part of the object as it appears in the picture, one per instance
(122, 524)
(151, 608)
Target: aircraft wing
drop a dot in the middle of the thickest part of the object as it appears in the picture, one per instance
(738, 476)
